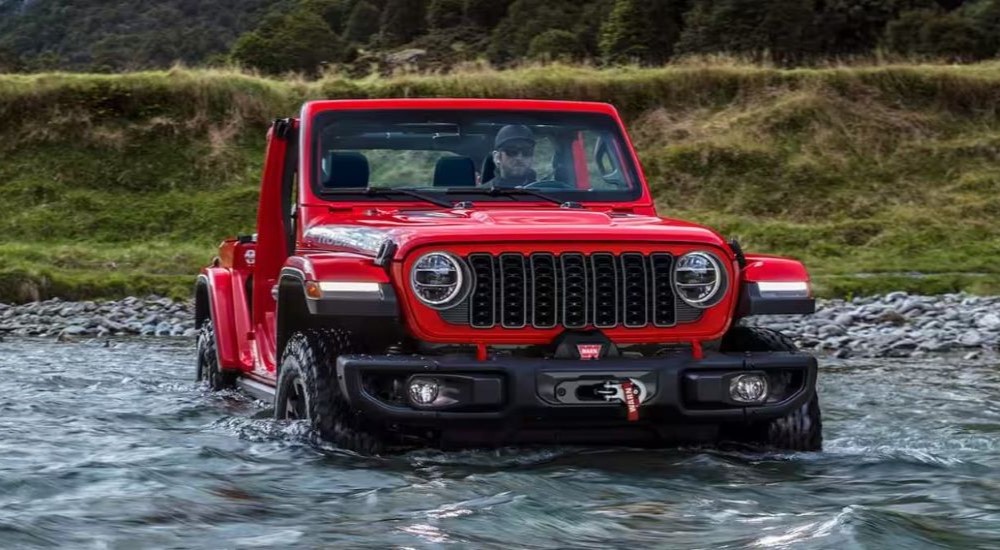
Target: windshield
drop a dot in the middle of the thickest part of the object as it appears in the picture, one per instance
(570, 156)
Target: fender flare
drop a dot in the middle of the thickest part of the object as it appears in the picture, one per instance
(375, 311)
(214, 299)
(772, 285)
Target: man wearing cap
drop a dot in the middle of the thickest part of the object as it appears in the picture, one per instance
(513, 156)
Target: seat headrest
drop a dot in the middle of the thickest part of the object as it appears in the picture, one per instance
(455, 172)
(345, 170)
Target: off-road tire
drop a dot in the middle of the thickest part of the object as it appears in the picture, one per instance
(799, 430)
(208, 360)
(311, 357)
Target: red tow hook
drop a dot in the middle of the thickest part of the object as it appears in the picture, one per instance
(631, 394)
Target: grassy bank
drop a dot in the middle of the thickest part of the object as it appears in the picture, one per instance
(124, 184)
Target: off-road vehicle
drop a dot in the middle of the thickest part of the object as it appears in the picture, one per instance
(466, 273)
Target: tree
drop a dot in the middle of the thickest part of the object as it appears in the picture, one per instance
(486, 13)
(527, 19)
(10, 62)
(556, 45)
(402, 21)
(640, 30)
(334, 12)
(298, 41)
(362, 23)
(785, 29)
(935, 34)
(445, 14)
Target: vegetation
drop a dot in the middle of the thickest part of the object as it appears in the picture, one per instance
(353, 36)
(125, 184)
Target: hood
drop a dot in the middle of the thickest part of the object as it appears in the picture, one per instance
(408, 229)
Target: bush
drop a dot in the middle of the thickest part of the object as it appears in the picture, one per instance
(556, 45)
(939, 35)
(299, 41)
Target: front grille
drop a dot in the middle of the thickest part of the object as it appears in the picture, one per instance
(571, 290)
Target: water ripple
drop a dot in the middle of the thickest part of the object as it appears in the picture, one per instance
(115, 447)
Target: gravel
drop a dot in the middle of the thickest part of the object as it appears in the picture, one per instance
(895, 325)
(892, 325)
(149, 316)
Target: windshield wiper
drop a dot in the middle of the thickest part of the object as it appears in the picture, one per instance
(384, 191)
(504, 192)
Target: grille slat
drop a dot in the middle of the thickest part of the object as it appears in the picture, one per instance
(571, 290)
(635, 290)
(514, 291)
(483, 299)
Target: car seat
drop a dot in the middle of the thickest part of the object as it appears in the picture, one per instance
(455, 172)
(347, 169)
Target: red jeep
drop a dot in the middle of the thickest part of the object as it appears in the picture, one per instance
(464, 273)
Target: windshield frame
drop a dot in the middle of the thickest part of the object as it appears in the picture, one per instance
(597, 121)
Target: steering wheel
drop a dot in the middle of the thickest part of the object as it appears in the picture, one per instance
(548, 184)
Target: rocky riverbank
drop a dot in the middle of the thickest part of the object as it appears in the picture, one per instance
(892, 325)
(895, 325)
(150, 316)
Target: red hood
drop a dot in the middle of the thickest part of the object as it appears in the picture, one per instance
(410, 229)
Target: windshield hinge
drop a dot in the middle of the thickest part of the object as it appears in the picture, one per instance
(571, 205)
(282, 128)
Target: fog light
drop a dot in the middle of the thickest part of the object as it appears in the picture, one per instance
(748, 388)
(423, 391)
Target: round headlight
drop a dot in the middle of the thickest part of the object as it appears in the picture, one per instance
(698, 278)
(438, 278)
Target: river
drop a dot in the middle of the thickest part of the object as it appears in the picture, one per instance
(116, 447)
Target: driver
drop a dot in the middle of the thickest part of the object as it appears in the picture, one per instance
(513, 156)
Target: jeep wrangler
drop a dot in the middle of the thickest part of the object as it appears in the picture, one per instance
(466, 273)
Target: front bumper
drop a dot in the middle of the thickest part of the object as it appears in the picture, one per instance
(523, 400)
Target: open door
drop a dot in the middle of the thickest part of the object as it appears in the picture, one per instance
(275, 237)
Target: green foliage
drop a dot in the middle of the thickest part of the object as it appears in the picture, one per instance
(402, 21)
(526, 19)
(787, 30)
(334, 12)
(556, 45)
(362, 23)
(640, 30)
(126, 34)
(298, 41)
(445, 14)
(955, 36)
(486, 13)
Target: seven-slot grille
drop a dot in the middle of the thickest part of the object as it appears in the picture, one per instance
(571, 290)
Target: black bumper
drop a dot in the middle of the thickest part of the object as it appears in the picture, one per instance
(508, 400)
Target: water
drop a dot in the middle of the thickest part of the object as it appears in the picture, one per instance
(117, 448)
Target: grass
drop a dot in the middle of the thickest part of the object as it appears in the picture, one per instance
(879, 177)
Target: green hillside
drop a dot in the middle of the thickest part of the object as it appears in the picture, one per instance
(124, 184)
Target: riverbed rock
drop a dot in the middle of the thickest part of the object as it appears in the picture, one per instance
(990, 321)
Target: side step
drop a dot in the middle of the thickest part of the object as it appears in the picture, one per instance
(256, 389)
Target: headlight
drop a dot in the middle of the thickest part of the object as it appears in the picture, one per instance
(439, 279)
(698, 278)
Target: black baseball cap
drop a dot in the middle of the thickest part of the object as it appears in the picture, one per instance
(513, 132)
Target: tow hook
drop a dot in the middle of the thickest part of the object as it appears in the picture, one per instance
(628, 391)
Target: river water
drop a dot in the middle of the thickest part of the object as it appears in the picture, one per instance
(116, 447)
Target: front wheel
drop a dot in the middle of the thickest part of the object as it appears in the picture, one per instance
(308, 390)
(799, 430)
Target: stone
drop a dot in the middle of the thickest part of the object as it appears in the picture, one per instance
(895, 296)
(893, 317)
(971, 339)
(844, 319)
(831, 330)
(990, 321)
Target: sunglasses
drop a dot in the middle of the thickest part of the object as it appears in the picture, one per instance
(519, 151)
